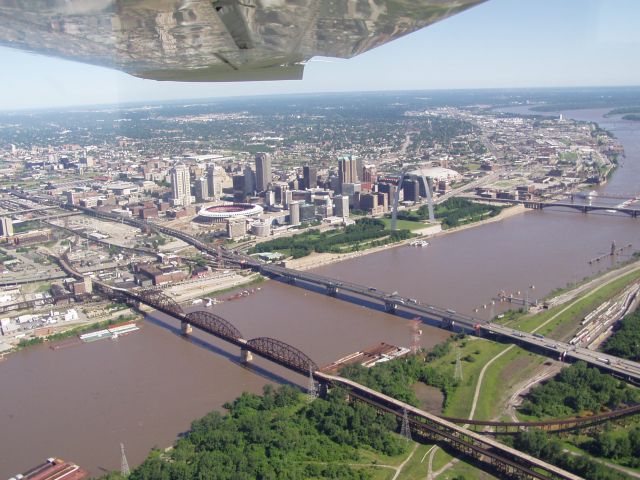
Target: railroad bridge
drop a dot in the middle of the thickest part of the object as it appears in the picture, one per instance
(271, 349)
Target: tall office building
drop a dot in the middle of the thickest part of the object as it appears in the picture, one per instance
(307, 212)
(269, 198)
(6, 224)
(411, 189)
(202, 189)
(181, 185)
(369, 174)
(310, 175)
(288, 198)
(369, 202)
(359, 166)
(294, 213)
(263, 172)
(211, 180)
(342, 206)
(348, 169)
(351, 189)
(280, 188)
(344, 171)
(249, 181)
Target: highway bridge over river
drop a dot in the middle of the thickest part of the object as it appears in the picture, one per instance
(451, 320)
(584, 208)
(392, 301)
(580, 207)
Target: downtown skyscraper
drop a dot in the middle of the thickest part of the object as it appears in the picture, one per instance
(263, 172)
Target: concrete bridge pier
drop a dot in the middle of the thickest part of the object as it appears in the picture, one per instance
(390, 306)
(186, 328)
(448, 323)
(246, 355)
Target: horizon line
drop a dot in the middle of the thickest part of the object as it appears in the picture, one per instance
(341, 92)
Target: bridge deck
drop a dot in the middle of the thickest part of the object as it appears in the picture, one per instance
(626, 369)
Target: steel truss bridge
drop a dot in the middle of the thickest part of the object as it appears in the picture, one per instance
(496, 456)
(501, 458)
(584, 208)
(580, 207)
(593, 422)
(269, 348)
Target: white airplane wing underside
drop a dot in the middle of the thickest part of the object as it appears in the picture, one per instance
(212, 40)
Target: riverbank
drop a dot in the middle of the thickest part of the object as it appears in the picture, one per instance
(211, 286)
(315, 260)
(125, 317)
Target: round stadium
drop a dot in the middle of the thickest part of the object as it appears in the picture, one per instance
(228, 211)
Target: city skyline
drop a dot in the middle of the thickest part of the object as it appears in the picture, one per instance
(463, 213)
(497, 44)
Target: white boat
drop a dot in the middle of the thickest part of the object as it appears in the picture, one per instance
(419, 243)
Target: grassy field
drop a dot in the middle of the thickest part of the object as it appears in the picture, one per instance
(563, 325)
(474, 354)
(416, 467)
(465, 470)
(412, 470)
(512, 368)
(404, 224)
(501, 378)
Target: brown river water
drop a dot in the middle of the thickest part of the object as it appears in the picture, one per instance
(143, 389)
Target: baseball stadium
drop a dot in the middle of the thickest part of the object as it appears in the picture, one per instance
(228, 211)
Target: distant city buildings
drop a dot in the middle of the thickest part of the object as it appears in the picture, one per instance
(129, 174)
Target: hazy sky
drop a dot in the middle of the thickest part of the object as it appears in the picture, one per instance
(501, 43)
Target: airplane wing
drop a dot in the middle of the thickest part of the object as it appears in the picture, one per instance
(212, 40)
